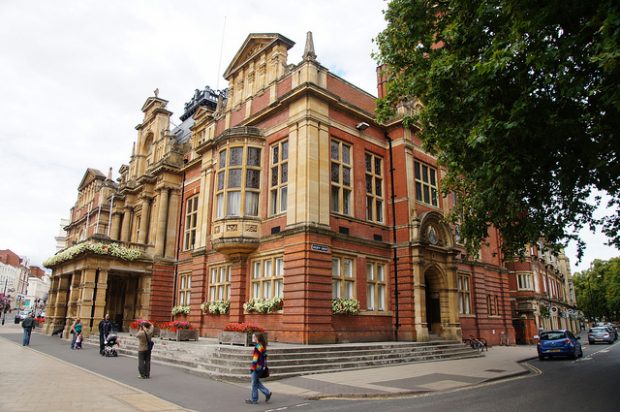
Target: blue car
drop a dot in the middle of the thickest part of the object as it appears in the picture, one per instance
(562, 343)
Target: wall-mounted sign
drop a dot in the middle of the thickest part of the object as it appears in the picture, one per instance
(320, 248)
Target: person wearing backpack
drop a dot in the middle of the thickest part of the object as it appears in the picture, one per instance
(28, 324)
(145, 345)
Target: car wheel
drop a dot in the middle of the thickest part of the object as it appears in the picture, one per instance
(541, 357)
(581, 352)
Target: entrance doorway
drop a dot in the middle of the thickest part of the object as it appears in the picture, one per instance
(120, 300)
(433, 304)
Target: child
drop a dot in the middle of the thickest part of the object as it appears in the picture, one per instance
(78, 341)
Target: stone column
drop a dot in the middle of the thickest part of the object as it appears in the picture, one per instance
(72, 303)
(174, 208)
(142, 309)
(125, 231)
(144, 221)
(60, 306)
(162, 218)
(86, 298)
(204, 210)
(99, 300)
(51, 304)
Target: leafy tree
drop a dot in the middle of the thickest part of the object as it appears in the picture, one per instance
(598, 289)
(521, 103)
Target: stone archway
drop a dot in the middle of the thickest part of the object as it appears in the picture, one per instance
(432, 295)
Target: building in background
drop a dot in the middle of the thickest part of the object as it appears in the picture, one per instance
(281, 202)
(543, 295)
(14, 273)
(61, 238)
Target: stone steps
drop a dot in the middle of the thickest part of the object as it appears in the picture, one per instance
(232, 362)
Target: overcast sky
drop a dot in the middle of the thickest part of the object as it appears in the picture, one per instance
(74, 75)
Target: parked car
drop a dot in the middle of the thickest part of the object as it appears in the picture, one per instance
(561, 343)
(600, 334)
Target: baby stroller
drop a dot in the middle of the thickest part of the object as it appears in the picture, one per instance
(110, 345)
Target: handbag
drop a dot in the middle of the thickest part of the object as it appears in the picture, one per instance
(265, 373)
(150, 343)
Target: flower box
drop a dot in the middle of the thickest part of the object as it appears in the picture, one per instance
(237, 338)
(179, 334)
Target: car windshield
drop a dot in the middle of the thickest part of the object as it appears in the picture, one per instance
(551, 335)
(601, 329)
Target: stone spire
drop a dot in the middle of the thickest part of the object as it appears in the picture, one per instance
(309, 53)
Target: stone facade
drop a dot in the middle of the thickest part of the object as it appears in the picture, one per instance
(283, 186)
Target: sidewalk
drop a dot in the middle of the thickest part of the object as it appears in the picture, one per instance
(33, 381)
(498, 363)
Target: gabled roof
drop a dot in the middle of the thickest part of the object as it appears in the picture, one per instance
(254, 44)
(90, 175)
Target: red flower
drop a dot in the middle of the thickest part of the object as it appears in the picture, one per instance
(243, 327)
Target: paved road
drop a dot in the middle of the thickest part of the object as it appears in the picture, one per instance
(171, 384)
(561, 385)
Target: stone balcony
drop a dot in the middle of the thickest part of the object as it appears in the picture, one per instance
(235, 235)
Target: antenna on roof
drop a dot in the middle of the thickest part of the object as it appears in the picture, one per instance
(219, 65)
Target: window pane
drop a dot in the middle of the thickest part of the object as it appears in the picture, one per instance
(418, 191)
(234, 203)
(349, 290)
(335, 199)
(252, 179)
(253, 156)
(284, 171)
(213, 275)
(335, 289)
(274, 202)
(434, 197)
(368, 184)
(370, 297)
(222, 159)
(378, 167)
(266, 290)
(426, 194)
(335, 267)
(251, 203)
(275, 154)
(380, 275)
(236, 154)
(417, 170)
(268, 269)
(346, 201)
(425, 174)
(369, 203)
(368, 162)
(346, 154)
(433, 182)
(333, 149)
(256, 272)
(370, 271)
(335, 172)
(220, 180)
(279, 267)
(379, 211)
(219, 205)
(378, 190)
(348, 268)
(234, 178)
(279, 288)
(283, 198)
(284, 150)
(381, 302)
(274, 176)
(256, 291)
(212, 296)
(346, 176)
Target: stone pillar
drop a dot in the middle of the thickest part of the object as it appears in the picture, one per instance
(172, 226)
(72, 303)
(86, 299)
(125, 231)
(51, 304)
(162, 218)
(60, 305)
(204, 214)
(142, 309)
(115, 230)
(144, 220)
(99, 300)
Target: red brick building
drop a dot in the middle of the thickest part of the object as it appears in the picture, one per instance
(277, 202)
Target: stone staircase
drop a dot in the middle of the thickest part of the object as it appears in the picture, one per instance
(206, 357)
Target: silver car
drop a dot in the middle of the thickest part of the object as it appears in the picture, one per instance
(600, 334)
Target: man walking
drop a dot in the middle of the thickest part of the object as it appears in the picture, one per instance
(105, 328)
(144, 337)
(28, 324)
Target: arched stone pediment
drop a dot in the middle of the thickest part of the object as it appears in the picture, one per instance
(434, 230)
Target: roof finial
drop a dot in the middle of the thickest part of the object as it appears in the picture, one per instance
(156, 92)
(309, 53)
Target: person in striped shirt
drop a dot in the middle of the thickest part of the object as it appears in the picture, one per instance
(259, 359)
